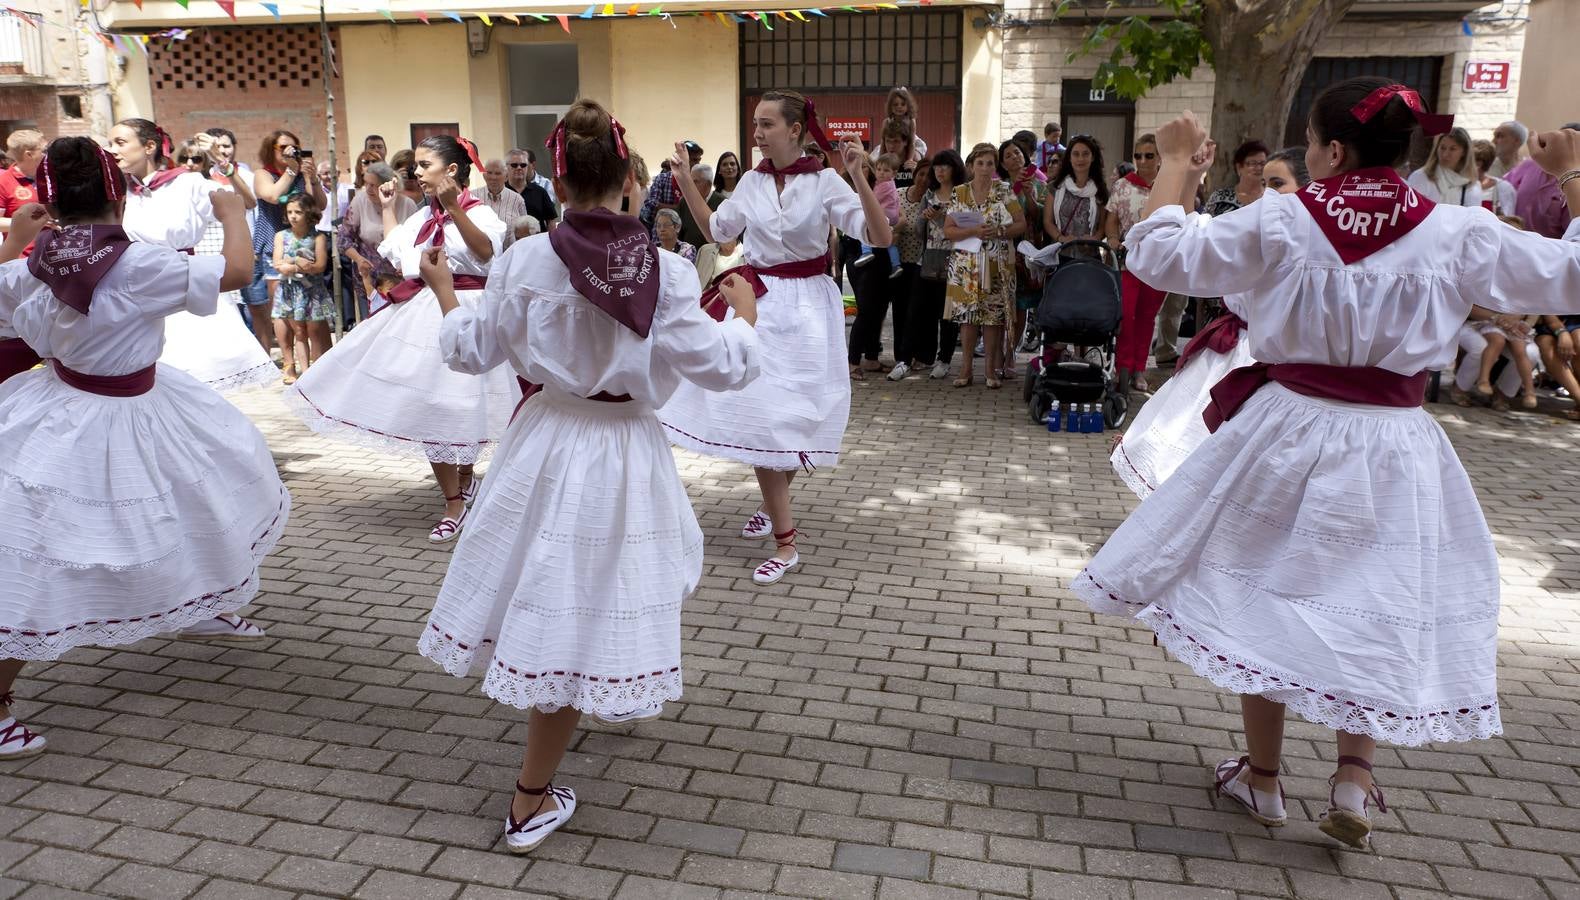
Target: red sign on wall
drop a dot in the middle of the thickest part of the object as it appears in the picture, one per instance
(1487, 77)
(862, 128)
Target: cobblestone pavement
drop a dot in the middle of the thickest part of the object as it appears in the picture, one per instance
(920, 711)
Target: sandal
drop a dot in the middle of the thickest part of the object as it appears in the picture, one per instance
(449, 526)
(288, 378)
(1528, 401)
(521, 837)
(993, 383)
(758, 526)
(228, 627)
(774, 569)
(469, 493)
(1263, 806)
(1459, 397)
(1345, 823)
(856, 374)
(16, 741)
(1484, 389)
(963, 381)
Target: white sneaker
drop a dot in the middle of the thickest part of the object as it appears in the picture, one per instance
(774, 569)
(644, 714)
(1263, 806)
(758, 526)
(229, 627)
(862, 260)
(899, 372)
(521, 837)
(940, 370)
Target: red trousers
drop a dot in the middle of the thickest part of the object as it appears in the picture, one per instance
(1141, 306)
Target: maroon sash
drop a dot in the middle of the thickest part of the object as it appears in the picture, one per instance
(411, 287)
(1350, 384)
(528, 389)
(16, 357)
(139, 382)
(715, 305)
(1220, 336)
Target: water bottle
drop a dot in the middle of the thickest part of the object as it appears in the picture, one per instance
(1096, 418)
(1086, 418)
(1054, 417)
(1072, 421)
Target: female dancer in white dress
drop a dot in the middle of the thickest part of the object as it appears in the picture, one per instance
(1170, 426)
(148, 500)
(385, 385)
(795, 414)
(1323, 551)
(169, 206)
(566, 592)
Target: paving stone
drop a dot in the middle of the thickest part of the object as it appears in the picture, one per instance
(400, 886)
(871, 860)
(713, 839)
(149, 883)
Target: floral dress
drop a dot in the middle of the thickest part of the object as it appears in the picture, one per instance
(302, 297)
(982, 284)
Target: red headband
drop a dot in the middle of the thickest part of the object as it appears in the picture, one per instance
(114, 180)
(556, 144)
(815, 129)
(165, 145)
(1376, 101)
(471, 152)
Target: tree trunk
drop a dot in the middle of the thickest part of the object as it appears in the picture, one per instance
(1261, 49)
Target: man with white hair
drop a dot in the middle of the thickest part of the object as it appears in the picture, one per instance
(690, 232)
(540, 205)
(506, 203)
(25, 146)
(1508, 140)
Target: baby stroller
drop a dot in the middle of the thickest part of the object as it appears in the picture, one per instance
(1080, 307)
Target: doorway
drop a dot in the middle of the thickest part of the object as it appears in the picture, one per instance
(543, 85)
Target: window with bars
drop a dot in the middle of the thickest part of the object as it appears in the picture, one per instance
(857, 53)
(274, 57)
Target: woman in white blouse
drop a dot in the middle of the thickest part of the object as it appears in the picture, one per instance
(1449, 175)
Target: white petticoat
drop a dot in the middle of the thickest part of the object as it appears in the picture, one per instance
(218, 350)
(566, 585)
(1169, 426)
(127, 517)
(1328, 556)
(385, 385)
(794, 413)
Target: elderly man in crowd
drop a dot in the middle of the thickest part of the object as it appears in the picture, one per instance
(519, 176)
(664, 192)
(26, 149)
(1508, 140)
(690, 232)
(506, 203)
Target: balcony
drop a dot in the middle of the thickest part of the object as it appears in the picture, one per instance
(21, 51)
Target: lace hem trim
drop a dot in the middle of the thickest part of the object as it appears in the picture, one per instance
(461, 454)
(551, 691)
(779, 460)
(17, 643)
(260, 375)
(1476, 718)
(1128, 473)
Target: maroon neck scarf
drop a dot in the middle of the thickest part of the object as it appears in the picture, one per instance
(156, 181)
(806, 165)
(1364, 211)
(1135, 179)
(74, 259)
(438, 217)
(612, 263)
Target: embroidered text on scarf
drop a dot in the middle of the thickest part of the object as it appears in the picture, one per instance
(1364, 211)
(612, 262)
(73, 260)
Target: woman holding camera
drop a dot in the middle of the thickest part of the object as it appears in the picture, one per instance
(275, 184)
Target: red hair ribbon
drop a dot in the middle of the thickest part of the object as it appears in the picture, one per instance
(815, 129)
(114, 180)
(471, 152)
(556, 144)
(166, 146)
(1376, 101)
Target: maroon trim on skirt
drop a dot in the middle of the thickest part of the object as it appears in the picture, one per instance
(130, 385)
(16, 357)
(1350, 384)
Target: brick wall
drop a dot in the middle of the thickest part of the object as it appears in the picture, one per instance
(251, 80)
(1035, 65)
(39, 107)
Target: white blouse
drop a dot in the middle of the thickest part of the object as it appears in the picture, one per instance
(786, 227)
(125, 328)
(1399, 309)
(401, 249)
(174, 216)
(531, 317)
(1449, 187)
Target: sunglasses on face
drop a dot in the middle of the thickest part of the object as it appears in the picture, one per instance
(520, 165)
(1142, 156)
(191, 159)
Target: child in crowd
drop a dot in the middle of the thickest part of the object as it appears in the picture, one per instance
(886, 169)
(302, 308)
(377, 285)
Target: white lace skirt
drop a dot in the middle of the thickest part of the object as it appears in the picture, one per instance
(127, 517)
(795, 412)
(1328, 556)
(566, 585)
(218, 350)
(1169, 426)
(385, 386)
